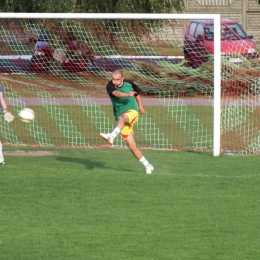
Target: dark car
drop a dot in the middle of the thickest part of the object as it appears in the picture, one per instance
(199, 41)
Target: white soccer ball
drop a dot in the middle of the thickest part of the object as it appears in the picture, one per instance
(26, 115)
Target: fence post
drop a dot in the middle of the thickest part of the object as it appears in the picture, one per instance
(244, 14)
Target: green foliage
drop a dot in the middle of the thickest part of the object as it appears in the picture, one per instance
(93, 6)
(39, 6)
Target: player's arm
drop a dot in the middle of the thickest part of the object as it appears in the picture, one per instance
(138, 98)
(2, 101)
(7, 115)
(140, 104)
(119, 94)
(111, 90)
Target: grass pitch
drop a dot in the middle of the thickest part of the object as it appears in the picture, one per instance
(100, 204)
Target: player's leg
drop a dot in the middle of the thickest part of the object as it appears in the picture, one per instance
(130, 141)
(121, 122)
(128, 134)
(2, 161)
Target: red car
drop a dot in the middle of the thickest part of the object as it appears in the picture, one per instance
(199, 41)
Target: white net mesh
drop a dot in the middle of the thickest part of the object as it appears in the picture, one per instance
(60, 67)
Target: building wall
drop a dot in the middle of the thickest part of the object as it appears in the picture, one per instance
(245, 12)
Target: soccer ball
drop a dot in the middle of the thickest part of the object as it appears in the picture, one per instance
(26, 115)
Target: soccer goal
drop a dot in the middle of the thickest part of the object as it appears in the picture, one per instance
(59, 64)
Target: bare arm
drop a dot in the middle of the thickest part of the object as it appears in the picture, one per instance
(7, 115)
(140, 104)
(2, 101)
(119, 94)
(131, 94)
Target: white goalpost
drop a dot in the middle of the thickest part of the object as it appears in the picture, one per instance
(65, 85)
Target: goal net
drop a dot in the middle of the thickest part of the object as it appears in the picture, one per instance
(59, 64)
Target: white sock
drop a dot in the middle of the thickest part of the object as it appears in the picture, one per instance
(144, 161)
(115, 132)
(1, 153)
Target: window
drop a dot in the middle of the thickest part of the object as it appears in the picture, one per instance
(216, 2)
(233, 32)
(209, 32)
(199, 30)
(228, 32)
(192, 29)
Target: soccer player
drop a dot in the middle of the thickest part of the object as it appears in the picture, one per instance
(126, 100)
(8, 118)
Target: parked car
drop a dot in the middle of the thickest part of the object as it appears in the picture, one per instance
(199, 41)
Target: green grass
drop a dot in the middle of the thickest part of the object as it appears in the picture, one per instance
(99, 204)
(65, 126)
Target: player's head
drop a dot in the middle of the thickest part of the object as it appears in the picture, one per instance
(118, 78)
(42, 38)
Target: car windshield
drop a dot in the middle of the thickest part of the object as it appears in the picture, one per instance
(228, 32)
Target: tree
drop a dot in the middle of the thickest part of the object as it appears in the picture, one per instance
(92, 6)
(37, 6)
(129, 6)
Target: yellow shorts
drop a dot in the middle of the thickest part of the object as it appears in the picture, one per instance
(128, 128)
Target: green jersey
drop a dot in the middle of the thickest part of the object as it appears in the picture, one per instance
(121, 105)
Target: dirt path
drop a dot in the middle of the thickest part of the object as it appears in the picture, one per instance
(30, 153)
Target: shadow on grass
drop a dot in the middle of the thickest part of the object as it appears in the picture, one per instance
(91, 164)
(204, 153)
